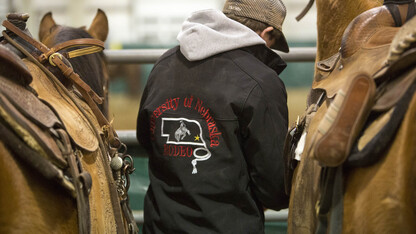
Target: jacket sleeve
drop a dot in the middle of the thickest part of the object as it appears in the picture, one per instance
(264, 123)
(142, 126)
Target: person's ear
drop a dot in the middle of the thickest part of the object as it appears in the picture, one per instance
(264, 33)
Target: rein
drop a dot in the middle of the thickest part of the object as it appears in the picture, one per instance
(305, 10)
(120, 162)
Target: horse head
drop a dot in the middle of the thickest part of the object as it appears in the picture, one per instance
(92, 68)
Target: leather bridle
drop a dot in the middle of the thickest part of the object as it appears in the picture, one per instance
(89, 45)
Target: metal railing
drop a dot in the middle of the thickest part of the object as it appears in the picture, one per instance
(269, 216)
(143, 56)
(296, 54)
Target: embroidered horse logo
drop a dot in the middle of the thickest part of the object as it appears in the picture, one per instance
(181, 131)
(186, 126)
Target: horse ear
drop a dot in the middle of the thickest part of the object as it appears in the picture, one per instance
(46, 24)
(99, 26)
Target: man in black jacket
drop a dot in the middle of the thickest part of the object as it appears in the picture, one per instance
(213, 119)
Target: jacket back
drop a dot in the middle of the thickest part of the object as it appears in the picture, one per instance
(214, 130)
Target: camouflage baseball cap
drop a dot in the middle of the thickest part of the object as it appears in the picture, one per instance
(271, 12)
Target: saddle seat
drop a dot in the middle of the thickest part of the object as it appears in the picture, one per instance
(365, 47)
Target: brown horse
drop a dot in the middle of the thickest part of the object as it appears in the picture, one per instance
(94, 68)
(55, 170)
(353, 155)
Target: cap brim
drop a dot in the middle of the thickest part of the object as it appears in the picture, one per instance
(281, 44)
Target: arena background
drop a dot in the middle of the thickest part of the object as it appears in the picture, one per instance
(143, 24)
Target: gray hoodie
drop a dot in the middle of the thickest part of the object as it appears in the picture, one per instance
(209, 32)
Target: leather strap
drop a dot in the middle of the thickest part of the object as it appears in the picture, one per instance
(397, 1)
(395, 13)
(80, 184)
(90, 46)
(411, 11)
(305, 10)
(85, 90)
(323, 206)
(38, 45)
(131, 224)
(95, 46)
(330, 206)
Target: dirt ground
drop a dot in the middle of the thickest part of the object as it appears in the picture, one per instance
(124, 109)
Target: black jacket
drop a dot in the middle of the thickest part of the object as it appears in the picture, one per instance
(214, 130)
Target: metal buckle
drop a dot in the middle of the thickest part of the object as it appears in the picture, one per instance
(53, 56)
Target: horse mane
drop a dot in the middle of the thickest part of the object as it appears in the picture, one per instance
(91, 68)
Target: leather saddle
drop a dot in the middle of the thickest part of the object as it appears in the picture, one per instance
(36, 120)
(364, 47)
(29, 127)
(369, 75)
(37, 131)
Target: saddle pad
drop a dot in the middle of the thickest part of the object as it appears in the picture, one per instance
(37, 139)
(392, 92)
(76, 124)
(374, 128)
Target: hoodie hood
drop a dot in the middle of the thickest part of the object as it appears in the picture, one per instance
(209, 32)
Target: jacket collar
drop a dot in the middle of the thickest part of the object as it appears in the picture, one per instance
(267, 56)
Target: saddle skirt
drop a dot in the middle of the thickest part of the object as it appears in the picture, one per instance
(78, 127)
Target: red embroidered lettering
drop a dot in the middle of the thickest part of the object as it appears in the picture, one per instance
(183, 151)
(189, 151)
(175, 150)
